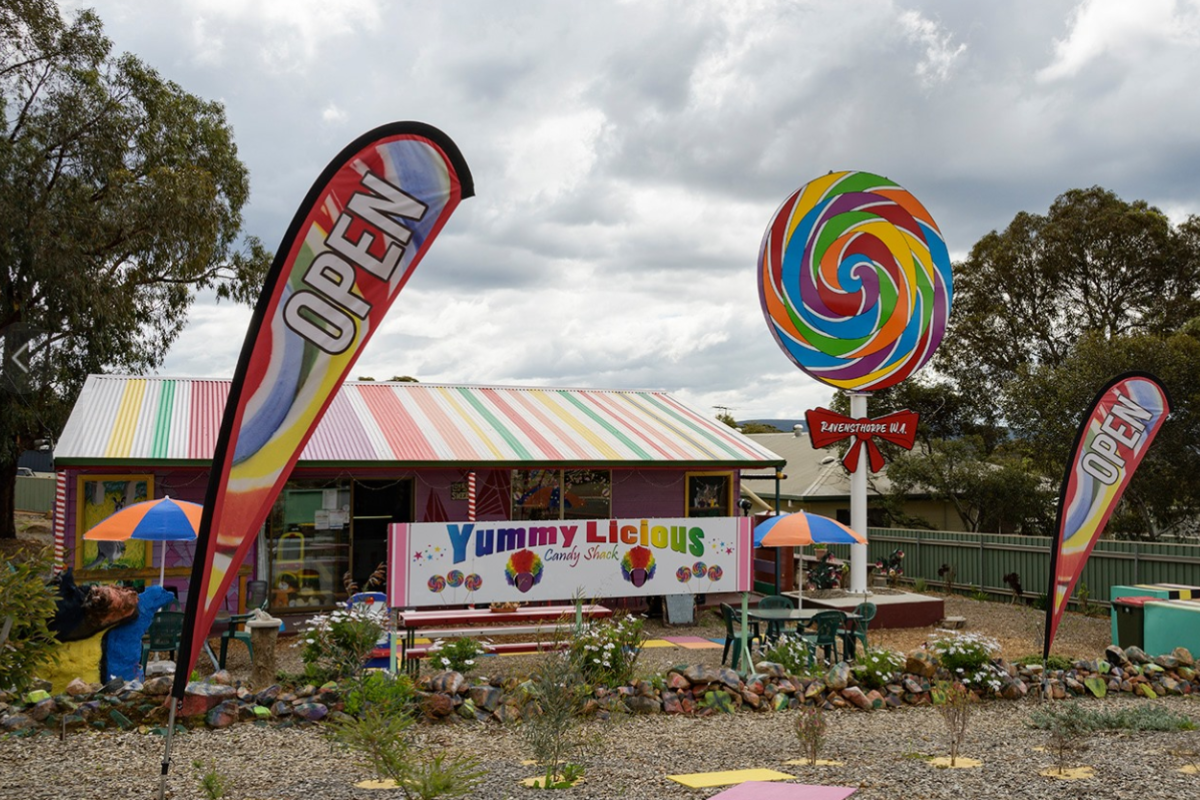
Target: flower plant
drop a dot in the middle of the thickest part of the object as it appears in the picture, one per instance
(878, 668)
(606, 651)
(457, 656)
(337, 644)
(789, 651)
(967, 657)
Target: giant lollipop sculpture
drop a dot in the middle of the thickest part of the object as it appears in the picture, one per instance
(854, 281)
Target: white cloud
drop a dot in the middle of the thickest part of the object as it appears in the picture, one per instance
(940, 51)
(333, 115)
(289, 34)
(1122, 30)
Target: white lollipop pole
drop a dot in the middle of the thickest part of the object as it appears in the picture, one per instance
(858, 501)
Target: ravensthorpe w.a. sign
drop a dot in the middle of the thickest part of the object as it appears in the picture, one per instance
(452, 563)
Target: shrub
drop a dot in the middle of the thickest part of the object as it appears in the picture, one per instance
(457, 656)
(790, 651)
(606, 651)
(1132, 718)
(810, 729)
(392, 694)
(29, 604)
(878, 668)
(337, 644)
(920, 585)
(388, 747)
(967, 657)
(213, 784)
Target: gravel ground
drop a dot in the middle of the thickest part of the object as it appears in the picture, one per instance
(883, 753)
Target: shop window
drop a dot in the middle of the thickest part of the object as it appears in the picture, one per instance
(561, 494)
(309, 544)
(710, 494)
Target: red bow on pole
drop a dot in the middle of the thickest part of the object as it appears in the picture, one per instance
(827, 427)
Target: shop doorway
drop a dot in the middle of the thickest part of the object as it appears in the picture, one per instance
(377, 504)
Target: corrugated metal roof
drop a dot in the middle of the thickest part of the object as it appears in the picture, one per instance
(122, 419)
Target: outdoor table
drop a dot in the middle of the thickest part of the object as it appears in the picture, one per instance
(478, 619)
(801, 616)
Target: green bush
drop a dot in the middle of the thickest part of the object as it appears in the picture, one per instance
(393, 694)
(457, 656)
(29, 603)
(1052, 663)
(605, 652)
(337, 644)
(878, 668)
(1140, 717)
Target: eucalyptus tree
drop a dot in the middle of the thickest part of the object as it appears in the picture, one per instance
(121, 197)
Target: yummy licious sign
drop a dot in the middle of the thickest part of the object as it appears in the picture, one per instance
(451, 563)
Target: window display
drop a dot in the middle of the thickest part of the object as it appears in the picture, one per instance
(310, 544)
(561, 494)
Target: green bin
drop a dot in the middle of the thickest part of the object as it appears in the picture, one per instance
(1162, 591)
(1129, 616)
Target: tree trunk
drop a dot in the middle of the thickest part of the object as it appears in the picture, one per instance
(8, 486)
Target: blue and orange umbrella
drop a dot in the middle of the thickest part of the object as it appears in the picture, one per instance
(163, 520)
(802, 528)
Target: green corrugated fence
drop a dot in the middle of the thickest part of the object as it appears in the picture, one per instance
(981, 561)
(34, 494)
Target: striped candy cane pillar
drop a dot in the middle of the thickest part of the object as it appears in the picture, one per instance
(60, 522)
(471, 496)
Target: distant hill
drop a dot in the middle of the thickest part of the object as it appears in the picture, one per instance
(784, 425)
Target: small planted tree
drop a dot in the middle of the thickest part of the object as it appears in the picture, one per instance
(553, 723)
(1068, 726)
(954, 704)
(811, 727)
(386, 743)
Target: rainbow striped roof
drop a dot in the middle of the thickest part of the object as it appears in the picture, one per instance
(123, 420)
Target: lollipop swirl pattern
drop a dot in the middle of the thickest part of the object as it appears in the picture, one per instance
(854, 280)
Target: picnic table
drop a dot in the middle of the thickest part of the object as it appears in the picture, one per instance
(446, 623)
(802, 617)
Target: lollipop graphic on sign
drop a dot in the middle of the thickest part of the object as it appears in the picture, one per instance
(854, 281)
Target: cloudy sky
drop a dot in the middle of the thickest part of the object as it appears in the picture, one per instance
(628, 156)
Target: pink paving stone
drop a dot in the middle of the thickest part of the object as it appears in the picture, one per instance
(765, 790)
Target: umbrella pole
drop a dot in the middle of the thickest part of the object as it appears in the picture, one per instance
(745, 635)
(162, 567)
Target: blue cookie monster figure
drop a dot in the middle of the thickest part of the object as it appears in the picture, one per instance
(123, 643)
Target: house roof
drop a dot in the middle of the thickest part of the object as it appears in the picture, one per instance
(146, 420)
(812, 474)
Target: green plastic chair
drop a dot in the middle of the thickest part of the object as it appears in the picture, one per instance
(733, 635)
(775, 628)
(256, 597)
(826, 634)
(856, 631)
(163, 636)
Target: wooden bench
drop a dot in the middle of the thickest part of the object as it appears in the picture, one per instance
(460, 623)
(503, 648)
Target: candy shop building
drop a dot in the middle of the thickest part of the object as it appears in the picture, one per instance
(383, 453)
